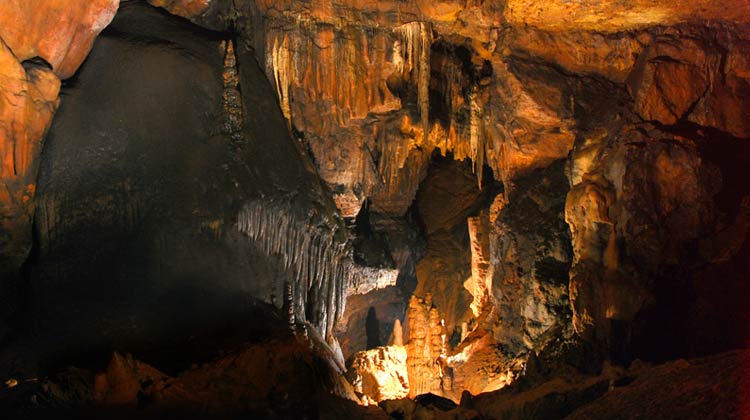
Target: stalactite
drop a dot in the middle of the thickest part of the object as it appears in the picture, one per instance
(417, 39)
(281, 66)
(232, 98)
(397, 54)
(320, 267)
(476, 135)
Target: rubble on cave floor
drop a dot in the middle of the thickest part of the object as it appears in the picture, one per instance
(286, 379)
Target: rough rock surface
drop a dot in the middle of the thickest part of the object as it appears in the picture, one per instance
(426, 349)
(518, 86)
(59, 32)
(305, 384)
(236, 383)
(695, 388)
(382, 307)
(41, 42)
(28, 100)
(532, 255)
(148, 200)
(645, 104)
(711, 387)
(379, 374)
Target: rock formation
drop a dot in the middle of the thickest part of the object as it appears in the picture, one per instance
(277, 221)
(41, 42)
(379, 374)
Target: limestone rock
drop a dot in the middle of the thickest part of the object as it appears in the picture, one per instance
(427, 406)
(622, 245)
(123, 381)
(379, 374)
(41, 42)
(531, 256)
(612, 16)
(679, 78)
(184, 8)
(382, 307)
(154, 208)
(270, 379)
(59, 32)
(426, 349)
(709, 387)
(28, 100)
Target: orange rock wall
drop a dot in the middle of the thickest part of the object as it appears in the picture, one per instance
(56, 36)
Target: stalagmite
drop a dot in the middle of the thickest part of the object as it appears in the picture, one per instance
(424, 347)
(398, 334)
(479, 283)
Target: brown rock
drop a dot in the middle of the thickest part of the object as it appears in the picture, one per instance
(711, 387)
(59, 32)
(670, 79)
(609, 210)
(425, 347)
(271, 378)
(28, 100)
(613, 16)
(480, 282)
(581, 52)
(124, 379)
(184, 8)
(530, 243)
(387, 305)
(379, 374)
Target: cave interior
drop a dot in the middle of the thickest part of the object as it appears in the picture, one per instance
(522, 209)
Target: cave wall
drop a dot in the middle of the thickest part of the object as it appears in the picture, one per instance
(40, 44)
(164, 219)
(633, 98)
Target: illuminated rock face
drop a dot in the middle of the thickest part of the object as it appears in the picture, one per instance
(59, 32)
(379, 374)
(41, 42)
(532, 257)
(567, 87)
(29, 100)
(426, 348)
